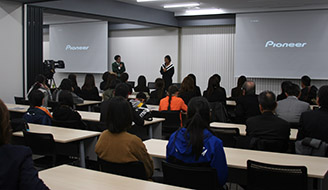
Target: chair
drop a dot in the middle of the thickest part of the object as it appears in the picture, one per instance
(172, 122)
(21, 100)
(272, 177)
(44, 144)
(69, 124)
(131, 83)
(151, 85)
(190, 176)
(218, 112)
(227, 135)
(131, 169)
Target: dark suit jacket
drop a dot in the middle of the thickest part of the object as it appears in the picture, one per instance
(308, 93)
(268, 126)
(17, 170)
(314, 124)
(247, 106)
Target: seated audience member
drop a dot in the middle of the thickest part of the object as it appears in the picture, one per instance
(40, 84)
(16, 169)
(158, 94)
(290, 109)
(76, 88)
(89, 89)
(104, 82)
(268, 127)
(124, 78)
(314, 124)
(237, 91)
(142, 87)
(172, 102)
(187, 91)
(139, 106)
(219, 83)
(35, 113)
(196, 88)
(214, 92)
(308, 92)
(247, 105)
(66, 84)
(65, 111)
(196, 144)
(117, 145)
(120, 90)
(284, 86)
(109, 92)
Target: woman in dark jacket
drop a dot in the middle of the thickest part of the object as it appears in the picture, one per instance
(214, 93)
(158, 94)
(187, 91)
(89, 89)
(141, 85)
(16, 169)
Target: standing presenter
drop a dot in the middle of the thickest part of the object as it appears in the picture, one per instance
(167, 71)
(118, 66)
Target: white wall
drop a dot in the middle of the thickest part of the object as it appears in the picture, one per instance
(209, 50)
(11, 50)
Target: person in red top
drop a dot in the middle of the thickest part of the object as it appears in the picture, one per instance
(172, 102)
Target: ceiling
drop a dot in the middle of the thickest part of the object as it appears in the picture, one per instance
(235, 6)
(50, 18)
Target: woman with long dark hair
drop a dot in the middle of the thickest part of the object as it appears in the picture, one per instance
(172, 102)
(214, 93)
(158, 94)
(195, 143)
(237, 91)
(187, 91)
(142, 85)
(89, 89)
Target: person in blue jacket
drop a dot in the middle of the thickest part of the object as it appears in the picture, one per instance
(16, 169)
(195, 143)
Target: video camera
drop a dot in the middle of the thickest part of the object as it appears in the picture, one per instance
(50, 66)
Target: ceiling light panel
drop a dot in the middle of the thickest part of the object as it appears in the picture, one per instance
(168, 6)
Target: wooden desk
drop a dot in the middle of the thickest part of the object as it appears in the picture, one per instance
(67, 177)
(231, 103)
(155, 126)
(237, 158)
(89, 103)
(64, 135)
(242, 128)
(153, 107)
(17, 108)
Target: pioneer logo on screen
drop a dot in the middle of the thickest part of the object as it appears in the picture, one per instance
(76, 48)
(285, 44)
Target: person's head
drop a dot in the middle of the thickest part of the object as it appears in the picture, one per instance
(193, 78)
(142, 81)
(40, 79)
(105, 76)
(66, 98)
(141, 97)
(159, 84)
(305, 81)
(5, 130)
(248, 88)
(267, 101)
(117, 58)
(173, 90)
(285, 85)
(241, 80)
(122, 90)
(35, 98)
(114, 83)
(72, 77)
(293, 90)
(198, 119)
(322, 98)
(111, 77)
(218, 77)
(119, 115)
(66, 84)
(187, 84)
(89, 82)
(167, 59)
(124, 77)
(212, 84)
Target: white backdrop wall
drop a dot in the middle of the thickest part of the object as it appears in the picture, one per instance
(11, 50)
(209, 50)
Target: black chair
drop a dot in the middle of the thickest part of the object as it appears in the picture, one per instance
(21, 100)
(131, 83)
(190, 176)
(69, 124)
(44, 145)
(218, 112)
(172, 122)
(272, 177)
(131, 169)
(272, 145)
(294, 125)
(227, 135)
(151, 85)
